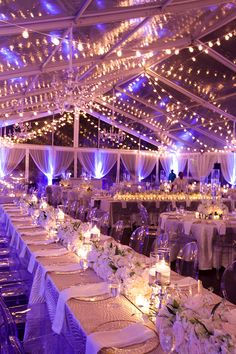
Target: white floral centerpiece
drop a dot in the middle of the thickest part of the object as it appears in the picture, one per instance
(212, 210)
(197, 326)
(69, 234)
(109, 259)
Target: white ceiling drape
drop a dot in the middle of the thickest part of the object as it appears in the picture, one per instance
(97, 163)
(9, 160)
(228, 167)
(52, 163)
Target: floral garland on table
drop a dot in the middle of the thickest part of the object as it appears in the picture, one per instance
(110, 259)
(196, 327)
(210, 209)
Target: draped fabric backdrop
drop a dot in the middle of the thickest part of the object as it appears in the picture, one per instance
(97, 163)
(9, 160)
(200, 165)
(51, 162)
(146, 164)
(173, 162)
(228, 167)
(130, 162)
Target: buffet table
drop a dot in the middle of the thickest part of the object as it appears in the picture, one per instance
(203, 231)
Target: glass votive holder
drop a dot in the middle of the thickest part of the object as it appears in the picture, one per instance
(163, 267)
(114, 285)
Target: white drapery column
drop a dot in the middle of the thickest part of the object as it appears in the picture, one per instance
(228, 167)
(200, 165)
(9, 160)
(97, 163)
(51, 162)
(174, 162)
(145, 165)
(130, 163)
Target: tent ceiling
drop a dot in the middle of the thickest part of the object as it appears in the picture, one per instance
(167, 67)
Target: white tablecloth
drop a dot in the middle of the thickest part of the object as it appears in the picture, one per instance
(81, 317)
(203, 231)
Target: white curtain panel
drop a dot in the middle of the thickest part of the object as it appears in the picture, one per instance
(52, 163)
(146, 164)
(173, 162)
(130, 162)
(200, 165)
(228, 167)
(9, 160)
(97, 163)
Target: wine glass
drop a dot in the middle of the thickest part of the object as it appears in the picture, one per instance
(167, 339)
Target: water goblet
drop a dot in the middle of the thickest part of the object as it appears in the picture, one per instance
(167, 339)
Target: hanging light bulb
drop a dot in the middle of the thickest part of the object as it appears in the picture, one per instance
(55, 40)
(25, 34)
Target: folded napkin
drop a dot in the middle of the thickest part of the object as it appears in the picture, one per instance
(45, 253)
(71, 267)
(86, 290)
(187, 281)
(27, 227)
(33, 242)
(119, 338)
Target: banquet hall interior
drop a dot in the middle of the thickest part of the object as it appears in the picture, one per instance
(117, 176)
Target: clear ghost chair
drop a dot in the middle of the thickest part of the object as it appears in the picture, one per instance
(81, 213)
(143, 214)
(118, 231)
(142, 239)
(187, 260)
(104, 223)
(91, 214)
(228, 283)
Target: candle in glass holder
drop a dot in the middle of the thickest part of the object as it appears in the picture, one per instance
(152, 276)
(142, 302)
(60, 215)
(95, 233)
(197, 215)
(162, 273)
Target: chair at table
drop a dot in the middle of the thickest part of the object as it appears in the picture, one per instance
(187, 260)
(81, 213)
(228, 283)
(224, 249)
(142, 239)
(118, 231)
(104, 223)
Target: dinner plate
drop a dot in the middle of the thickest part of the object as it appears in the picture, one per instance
(141, 348)
(95, 298)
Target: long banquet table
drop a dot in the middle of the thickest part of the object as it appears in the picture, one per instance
(81, 317)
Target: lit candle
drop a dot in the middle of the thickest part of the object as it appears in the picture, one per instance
(142, 302)
(34, 198)
(60, 215)
(162, 273)
(95, 233)
(197, 215)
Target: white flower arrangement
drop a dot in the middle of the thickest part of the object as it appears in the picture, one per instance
(69, 234)
(210, 209)
(109, 259)
(197, 327)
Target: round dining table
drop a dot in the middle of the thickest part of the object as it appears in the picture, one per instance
(206, 232)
